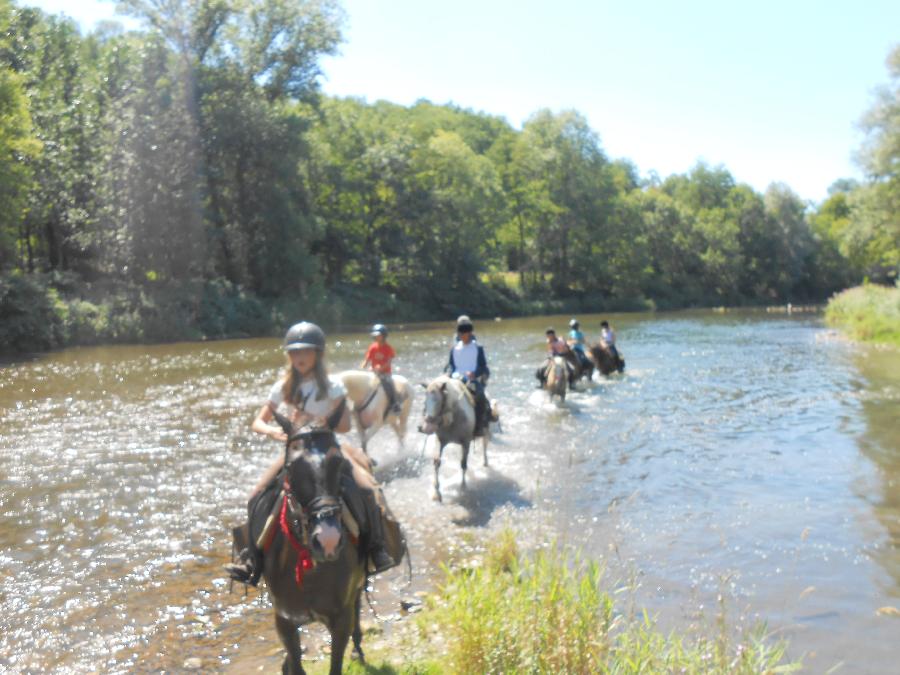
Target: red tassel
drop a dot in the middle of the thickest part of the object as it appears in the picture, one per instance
(304, 559)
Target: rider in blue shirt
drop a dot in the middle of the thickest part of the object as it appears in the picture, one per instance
(576, 342)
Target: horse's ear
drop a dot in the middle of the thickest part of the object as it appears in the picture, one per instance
(283, 422)
(424, 385)
(444, 385)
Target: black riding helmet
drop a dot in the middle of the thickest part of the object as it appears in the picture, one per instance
(573, 324)
(304, 335)
(464, 324)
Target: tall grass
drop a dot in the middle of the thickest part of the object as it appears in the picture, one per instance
(548, 613)
(869, 313)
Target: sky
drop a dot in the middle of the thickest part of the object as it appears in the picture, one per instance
(771, 90)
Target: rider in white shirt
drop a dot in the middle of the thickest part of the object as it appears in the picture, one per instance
(468, 362)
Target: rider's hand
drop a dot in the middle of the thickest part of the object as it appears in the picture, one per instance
(276, 433)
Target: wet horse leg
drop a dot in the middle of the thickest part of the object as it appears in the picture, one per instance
(357, 635)
(484, 444)
(464, 463)
(436, 481)
(290, 638)
(340, 636)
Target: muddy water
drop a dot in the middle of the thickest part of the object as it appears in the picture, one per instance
(745, 461)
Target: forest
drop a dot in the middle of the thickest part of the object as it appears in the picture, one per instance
(189, 180)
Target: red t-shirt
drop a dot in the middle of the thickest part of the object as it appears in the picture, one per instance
(380, 355)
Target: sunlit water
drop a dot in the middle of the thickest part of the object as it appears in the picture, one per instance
(745, 463)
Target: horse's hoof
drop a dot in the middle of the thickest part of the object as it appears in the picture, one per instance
(435, 496)
(357, 655)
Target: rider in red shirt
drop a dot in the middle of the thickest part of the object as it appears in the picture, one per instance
(378, 357)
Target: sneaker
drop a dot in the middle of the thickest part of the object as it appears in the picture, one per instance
(381, 560)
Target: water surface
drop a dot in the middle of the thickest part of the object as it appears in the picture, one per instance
(746, 460)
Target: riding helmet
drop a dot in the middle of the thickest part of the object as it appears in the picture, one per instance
(463, 323)
(379, 329)
(573, 324)
(304, 335)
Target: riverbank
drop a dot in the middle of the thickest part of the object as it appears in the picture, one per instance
(550, 612)
(43, 312)
(870, 313)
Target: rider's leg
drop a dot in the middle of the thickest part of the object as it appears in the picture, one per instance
(248, 568)
(481, 406)
(359, 489)
(388, 383)
(541, 375)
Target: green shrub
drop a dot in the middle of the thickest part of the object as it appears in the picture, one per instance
(547, 613)
(869, 313)
(31, 315)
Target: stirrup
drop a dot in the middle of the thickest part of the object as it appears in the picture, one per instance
(241, 572)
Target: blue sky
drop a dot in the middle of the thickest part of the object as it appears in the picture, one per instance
(771, 90)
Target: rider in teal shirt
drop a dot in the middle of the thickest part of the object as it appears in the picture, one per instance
(576, 341)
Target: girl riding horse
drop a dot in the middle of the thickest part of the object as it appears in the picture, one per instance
(311, 397)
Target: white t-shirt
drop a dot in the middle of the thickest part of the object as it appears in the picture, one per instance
(465, 357)
(308, 392)
(608, 336)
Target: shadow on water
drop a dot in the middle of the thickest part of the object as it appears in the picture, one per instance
(485, 495)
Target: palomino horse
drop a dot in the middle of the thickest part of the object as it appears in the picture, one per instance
(557, 379)
(312, 570)
(605, 361)
(370, 402)
(450, 414)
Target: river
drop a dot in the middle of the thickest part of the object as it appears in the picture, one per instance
(745, 463)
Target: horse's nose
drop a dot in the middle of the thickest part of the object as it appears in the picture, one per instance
(327, 538)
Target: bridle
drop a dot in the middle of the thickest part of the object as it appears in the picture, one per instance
(299, 520)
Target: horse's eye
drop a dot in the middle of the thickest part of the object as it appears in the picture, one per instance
(294, 451)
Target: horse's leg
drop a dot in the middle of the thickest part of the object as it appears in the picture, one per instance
(357, 635)
(436, 481)
(340, 636)
(290, 638)
(484, 444)
(464, 463)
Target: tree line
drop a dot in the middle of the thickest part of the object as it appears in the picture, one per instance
(188, 179)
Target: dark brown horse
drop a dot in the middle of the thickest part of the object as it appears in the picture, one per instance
(606, 361)
(313, 570)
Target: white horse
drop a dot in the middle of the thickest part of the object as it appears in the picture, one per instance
(450, 414)
(369, 401)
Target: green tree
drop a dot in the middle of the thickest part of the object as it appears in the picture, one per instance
(875, 222)
(17, 147)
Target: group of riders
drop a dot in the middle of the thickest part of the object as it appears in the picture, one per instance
(316, 399)
(573, 351)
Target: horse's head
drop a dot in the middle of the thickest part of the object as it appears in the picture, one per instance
(556, 374)
(436, 404)
(314, 465)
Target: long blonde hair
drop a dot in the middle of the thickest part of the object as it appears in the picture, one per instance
(290, 390)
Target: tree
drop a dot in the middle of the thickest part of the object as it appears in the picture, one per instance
(875, 222)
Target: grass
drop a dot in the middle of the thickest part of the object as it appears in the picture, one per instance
(548, 613)
(868, 313)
